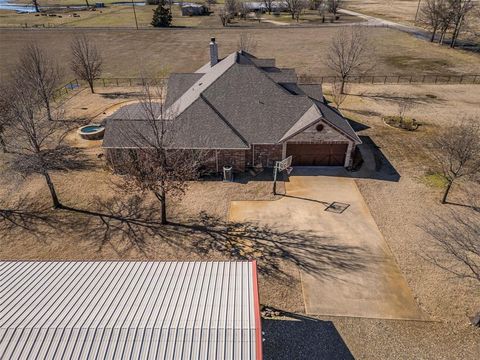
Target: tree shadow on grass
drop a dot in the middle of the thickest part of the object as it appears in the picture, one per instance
(302, 337)
(27, 217)
(131, 224)
(122, 95)
(62, 158)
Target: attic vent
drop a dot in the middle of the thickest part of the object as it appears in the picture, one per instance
(319, 127)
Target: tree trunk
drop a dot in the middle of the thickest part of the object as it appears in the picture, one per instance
(434, 31)
(35, 3)
(90, 83)
(342, 88)
(163, 205)
(3, 145)
(442, 37)
(447, 190)
(53, 193)
(49, 113)
(456, 32)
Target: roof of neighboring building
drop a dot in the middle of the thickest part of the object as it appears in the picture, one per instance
(129, 310)
(242, 100)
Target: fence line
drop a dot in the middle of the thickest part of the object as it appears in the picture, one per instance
(397, 79)
(439, 79)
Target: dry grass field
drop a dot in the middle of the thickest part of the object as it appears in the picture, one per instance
(200, 232)
(128, 52)
(403, 11)
(123, 16)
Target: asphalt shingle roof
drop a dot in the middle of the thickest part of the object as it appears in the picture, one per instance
(233, 104)
(178, 84)
(130, 130)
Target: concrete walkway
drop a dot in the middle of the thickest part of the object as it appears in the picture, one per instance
(347, 269)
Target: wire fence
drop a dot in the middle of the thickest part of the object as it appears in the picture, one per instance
(439, 79)
(396, 79)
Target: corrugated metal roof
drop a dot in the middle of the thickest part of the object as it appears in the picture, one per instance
(134, 310)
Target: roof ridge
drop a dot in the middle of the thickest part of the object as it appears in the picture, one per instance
(287, 134)
(354, 138)
(235, 131)
(189, 96)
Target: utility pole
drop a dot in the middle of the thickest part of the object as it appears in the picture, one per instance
(135, 14)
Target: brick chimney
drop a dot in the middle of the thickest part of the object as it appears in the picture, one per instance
(213, 52)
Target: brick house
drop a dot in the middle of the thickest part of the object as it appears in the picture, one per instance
(246, 112)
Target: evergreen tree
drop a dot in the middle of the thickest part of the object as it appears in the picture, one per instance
(162, 16)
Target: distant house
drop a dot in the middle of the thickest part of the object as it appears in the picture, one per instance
(248, 113)
(129, 310)
(192, 9)
(259, 6)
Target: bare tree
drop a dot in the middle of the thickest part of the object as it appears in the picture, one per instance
(460, 10)
(34, 141)
(86, 60)
(41, 73)
(247, 42)
(322, 7)
(338, 97)
(4, 115)
(268, 5)
(231, 7)
(458, 153)
(35, 4)
(446, 17)
(295, 7)
(228, 11)
(456, 240)
(225, 17)
(349, 52)
(333, 6)
(153, 165)
(405, 105)
(431, 14)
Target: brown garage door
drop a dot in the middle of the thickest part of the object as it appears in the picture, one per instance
(317, 154)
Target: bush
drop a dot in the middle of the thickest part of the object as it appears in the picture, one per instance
(400, 122)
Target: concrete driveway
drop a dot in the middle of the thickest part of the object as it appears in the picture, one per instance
(345, 264)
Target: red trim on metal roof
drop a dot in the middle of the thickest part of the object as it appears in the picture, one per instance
(256, 310)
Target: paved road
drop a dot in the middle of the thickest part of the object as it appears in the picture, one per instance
(374, 21)
(346, 266)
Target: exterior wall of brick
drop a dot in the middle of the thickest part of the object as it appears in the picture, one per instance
(233, 158)
(266, 155)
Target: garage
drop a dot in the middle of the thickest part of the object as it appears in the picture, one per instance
(317, 154)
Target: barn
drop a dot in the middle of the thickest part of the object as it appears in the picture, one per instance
(247, 112)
